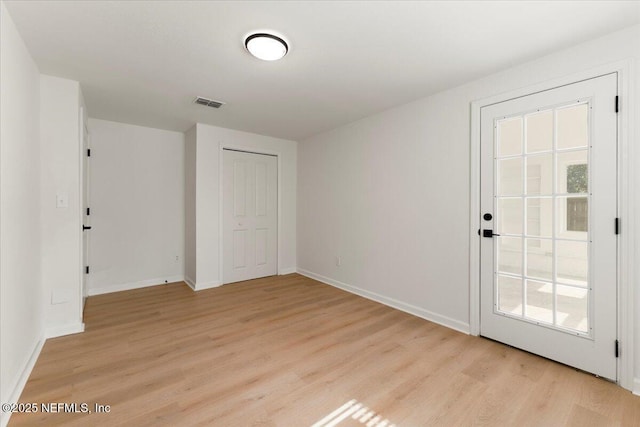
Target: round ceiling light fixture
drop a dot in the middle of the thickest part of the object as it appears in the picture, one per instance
(266, 46)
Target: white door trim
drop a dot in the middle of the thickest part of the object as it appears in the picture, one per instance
(628, 159)
(254, 150)
(83, 122)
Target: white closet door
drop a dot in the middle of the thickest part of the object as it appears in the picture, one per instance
(250, 216)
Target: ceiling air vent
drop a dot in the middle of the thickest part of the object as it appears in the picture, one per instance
(208, 102)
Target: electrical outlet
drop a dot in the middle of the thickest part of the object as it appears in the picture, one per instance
(177, 258)
(338, 261)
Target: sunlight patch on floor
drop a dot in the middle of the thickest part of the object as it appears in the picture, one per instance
(357, 411)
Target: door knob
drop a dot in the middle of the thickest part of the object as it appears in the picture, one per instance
(86, 227)
(488, 233)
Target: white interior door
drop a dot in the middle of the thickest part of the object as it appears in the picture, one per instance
(250, 215)
(548, 237)
(86, 217)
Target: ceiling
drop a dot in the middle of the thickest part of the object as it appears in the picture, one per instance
(144, 62)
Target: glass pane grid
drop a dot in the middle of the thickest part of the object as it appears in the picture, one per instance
(557, 239)
(569, 150)
(542, 214)
(512, 302)
(525, 277)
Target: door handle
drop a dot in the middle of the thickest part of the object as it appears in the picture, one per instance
(86, 227)
(489, 233)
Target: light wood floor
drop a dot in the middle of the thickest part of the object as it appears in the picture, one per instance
(288, 351)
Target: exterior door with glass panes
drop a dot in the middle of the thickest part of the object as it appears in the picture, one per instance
(548, 212)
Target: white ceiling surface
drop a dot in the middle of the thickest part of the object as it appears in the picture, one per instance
(144, 62)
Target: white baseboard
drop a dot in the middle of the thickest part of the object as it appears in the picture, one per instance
(134, 285)
(402, 306)
(22, 380)
(284, 271)
(190, 282)
(636, 386)
(62, 330)
(202, 286)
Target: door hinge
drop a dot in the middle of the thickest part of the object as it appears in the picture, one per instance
(88, 211)
(617, 227)
(88, 152)
(617, 350)
(86, 270)
(617, 103)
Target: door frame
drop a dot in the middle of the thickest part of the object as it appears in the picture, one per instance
(86, 176)
(627, 161)
(83, 128)
(252, 150)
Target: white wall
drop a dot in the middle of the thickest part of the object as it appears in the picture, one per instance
(21, 320)
(190, 153)
(137, 206)
(389, 194)
(207, 206)
(60, 101)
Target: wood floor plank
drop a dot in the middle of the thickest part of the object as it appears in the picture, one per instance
(290, 351)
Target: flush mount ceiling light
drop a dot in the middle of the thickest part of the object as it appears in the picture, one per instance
(266, 46)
